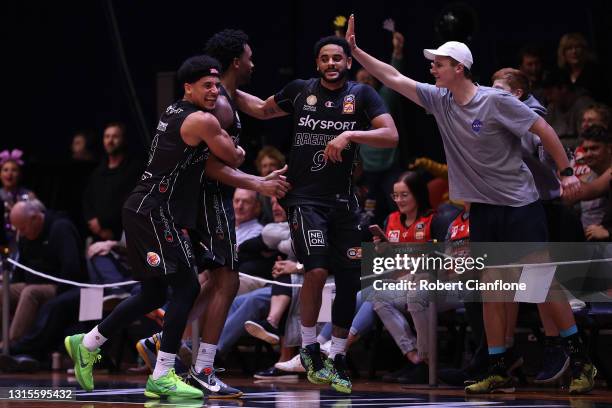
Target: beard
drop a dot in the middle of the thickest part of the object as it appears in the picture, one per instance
(341, 75)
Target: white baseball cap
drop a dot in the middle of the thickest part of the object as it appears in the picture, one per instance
(454, 49)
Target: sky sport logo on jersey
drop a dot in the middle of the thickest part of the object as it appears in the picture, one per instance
(153, 259)
(315, 124)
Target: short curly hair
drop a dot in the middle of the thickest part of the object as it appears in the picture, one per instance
(226, 45)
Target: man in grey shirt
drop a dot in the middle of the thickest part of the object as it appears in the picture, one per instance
(481, 129)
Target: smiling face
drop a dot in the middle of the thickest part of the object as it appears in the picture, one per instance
(444, 72)
(9, 174)
(333, 64)
(204, 92)
(405, 201)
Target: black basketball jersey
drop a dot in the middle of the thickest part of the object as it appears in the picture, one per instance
(319, 115)
(169, 157)
(236, 127)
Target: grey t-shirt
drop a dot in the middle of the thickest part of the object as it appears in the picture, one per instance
(540, 163)
(483, 146)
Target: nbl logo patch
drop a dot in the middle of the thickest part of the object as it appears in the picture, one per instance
(316, 238)
(348, 105)
(153, 259)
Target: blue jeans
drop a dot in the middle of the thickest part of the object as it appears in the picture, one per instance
(105, 269)
(362, 322)
(250, 306)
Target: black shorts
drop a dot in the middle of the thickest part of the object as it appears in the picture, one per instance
(215, 236)
(155, 245)
(325, 237)
(499, 223)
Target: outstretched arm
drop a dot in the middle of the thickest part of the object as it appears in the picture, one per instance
(258, 108)
(385, 73)
(273, 185)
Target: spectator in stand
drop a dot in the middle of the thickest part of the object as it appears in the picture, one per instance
(414, 221)
(565, 106)
(576, 59)
(82, 149)
(596, 114)
(109, 185)
(271, 329)
(532, 65)
(268, 159)
(597, 149)
(49, 243)
(11, 192)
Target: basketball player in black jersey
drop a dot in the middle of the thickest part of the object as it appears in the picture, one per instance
(214, 234)
(160, 252)
(331, 115)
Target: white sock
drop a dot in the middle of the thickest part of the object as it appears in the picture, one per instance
(93, 339)
(206, 356)
(165, 361)
(338, 346)
(309, 335)
(322, 339)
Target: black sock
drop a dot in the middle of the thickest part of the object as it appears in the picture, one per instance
(497, 364)
(575, 348)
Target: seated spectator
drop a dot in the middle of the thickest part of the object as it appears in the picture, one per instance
(531, 63)
(565, 106)
(268, 159)
(413, 222)
(598, 156)
(49, 243)
(109, 185)
(248, 238)
(11, 192)
(107, 263)
(597, 114)
(575, 58)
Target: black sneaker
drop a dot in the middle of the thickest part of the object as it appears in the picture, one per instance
(316, 371)
(212, 387)
(554, 364)
(393, 376)
(418, 375)
(274, 373)
(340, 380)
(263, 330)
